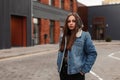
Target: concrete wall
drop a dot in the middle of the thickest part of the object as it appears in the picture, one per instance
(4, 24)
(23, 8)
(49, 12)
(112, 18)
(13, 7)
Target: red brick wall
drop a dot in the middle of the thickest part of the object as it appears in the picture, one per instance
(56, 31)
(44, 29)
(44, 1)
(57, 4)
(45, 23)
(67, 4)
(74, 6)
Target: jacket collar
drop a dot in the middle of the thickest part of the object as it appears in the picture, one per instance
(79, 33)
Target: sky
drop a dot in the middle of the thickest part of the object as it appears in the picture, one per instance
(90, 2)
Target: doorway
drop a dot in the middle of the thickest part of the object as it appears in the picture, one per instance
(52, 24)
(98, 29)
(36, 31)
(18, 30)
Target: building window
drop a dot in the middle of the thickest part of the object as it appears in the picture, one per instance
(51, 2)
(52, 24)
(71, 5)
(62, 4)
(36, 28)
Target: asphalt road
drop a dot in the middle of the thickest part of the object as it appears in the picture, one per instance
(107, 64)
(43, 66)
(32, 67)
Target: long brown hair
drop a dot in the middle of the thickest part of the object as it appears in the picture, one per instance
(70, 35)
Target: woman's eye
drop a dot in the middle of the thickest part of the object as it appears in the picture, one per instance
(68, 21)
(71, 21)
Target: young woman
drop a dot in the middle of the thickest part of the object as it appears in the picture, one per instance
(77, 53)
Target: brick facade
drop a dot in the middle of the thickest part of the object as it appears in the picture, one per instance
(44, 24)
(56, 31)
(74, 6)
(56, 3)
(44, 1)
(67, 5)
(44, 30)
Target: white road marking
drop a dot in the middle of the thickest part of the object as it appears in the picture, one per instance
(111, 55)
(96, 75)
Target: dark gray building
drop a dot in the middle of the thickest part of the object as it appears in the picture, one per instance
(16, 22)
(13, 12)
(104, 21)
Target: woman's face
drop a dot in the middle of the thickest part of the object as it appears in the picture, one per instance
(71, 22)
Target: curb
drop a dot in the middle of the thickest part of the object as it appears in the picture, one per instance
(27, 54)
(23, 51)
(114, 42)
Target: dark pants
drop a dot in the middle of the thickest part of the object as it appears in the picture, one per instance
(65, 76)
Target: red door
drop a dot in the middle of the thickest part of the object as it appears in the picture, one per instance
(18, 31)
(98, 29)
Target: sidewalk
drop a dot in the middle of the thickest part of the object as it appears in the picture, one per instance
(18, 51)
(102, 42)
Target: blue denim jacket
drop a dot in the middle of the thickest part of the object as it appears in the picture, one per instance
(81, 57)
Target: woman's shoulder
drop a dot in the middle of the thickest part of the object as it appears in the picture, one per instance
(86, 33)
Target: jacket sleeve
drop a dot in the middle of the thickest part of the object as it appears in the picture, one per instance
(90, 53)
